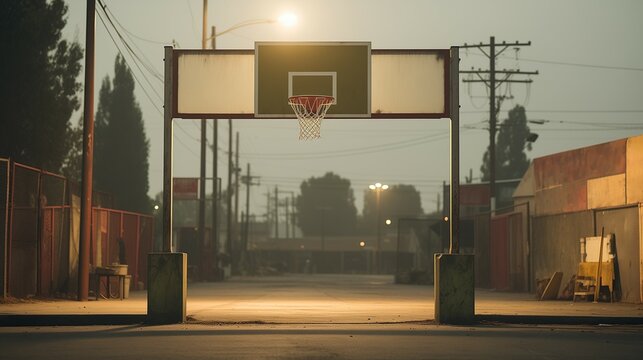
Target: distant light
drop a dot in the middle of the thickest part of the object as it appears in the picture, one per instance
(362, 244)
(388, 221)
(156, 207)
(446, 218)
(384, 187)
(378, 185)
(288, 19)
(372, 187)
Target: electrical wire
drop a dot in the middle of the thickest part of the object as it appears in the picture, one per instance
(594, 66)
(140, 84)
(348, 152)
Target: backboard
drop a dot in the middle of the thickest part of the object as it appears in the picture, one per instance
(341, 70)
(365, 82)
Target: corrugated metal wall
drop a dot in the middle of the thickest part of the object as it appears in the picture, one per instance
(555, 244)
(624, 224)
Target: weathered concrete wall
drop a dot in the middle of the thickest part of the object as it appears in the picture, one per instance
(606, 191)
(562, 179)
(568, 197)
(634, 173)
(556, 243)
(580, 164)
(624, 224)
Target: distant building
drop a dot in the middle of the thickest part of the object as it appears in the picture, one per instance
(577, 193)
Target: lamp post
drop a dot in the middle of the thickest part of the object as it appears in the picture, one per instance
(378, 188)
(287, 19)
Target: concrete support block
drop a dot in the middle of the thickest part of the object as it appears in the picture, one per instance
(454, 289)
(167, 287)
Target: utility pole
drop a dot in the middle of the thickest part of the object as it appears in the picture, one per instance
(248, 181)
(292, 220)
(488, 77)
(229, 193)
(268, 219)
(287, 218)
(215, 183)
(276, 212)
(88, 155)
(237, 170)
(201, 221)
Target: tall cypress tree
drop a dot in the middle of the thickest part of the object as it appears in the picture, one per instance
(121, 148)
(39, 85)
(511, 143)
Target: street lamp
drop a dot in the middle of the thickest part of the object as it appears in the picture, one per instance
(287, 19)
(378, 188)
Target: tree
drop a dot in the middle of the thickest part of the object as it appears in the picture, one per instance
(73, 161)
(396, 202)
(511, 142)
(121, 148)
(326, 204)
(39, 87)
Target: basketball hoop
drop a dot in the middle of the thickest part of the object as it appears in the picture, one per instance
(310, 110)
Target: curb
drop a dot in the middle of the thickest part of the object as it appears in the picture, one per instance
(71, 320)
(559, 320)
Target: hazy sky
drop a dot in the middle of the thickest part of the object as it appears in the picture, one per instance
(582, 105)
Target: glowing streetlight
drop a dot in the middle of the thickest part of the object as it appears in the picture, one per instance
(378, 188)
(285, 19)
(288, 19)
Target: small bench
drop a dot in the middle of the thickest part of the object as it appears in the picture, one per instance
(108, 274)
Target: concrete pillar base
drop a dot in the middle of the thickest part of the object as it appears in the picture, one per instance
(454, 289)
(167, 287)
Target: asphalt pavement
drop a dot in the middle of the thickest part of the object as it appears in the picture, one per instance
(320, 317)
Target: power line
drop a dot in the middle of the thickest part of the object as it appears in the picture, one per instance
(594, 66)
(132, 53)
(127, 63)
(139, 82)
(562, 111)
(348, 152)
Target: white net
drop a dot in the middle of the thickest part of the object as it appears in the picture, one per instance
(310, 110)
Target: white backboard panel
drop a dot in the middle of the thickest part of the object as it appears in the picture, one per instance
(408, 83)
(215, 84)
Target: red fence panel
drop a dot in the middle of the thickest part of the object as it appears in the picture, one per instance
(499, 253)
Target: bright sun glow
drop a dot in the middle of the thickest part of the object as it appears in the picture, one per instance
(288, 19)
